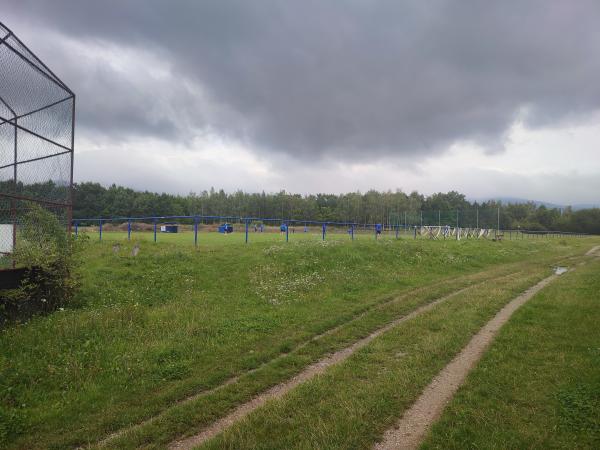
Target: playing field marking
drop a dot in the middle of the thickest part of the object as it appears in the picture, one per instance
(308, 373)
(416, 422)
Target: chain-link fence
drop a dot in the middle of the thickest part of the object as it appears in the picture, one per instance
(37, 113)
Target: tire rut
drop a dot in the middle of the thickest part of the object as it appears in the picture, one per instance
(474, 280)
(308, 373)
(411, 429)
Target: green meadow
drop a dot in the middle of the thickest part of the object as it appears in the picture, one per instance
(229, 320)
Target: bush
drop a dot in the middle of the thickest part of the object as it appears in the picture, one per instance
(48, 253)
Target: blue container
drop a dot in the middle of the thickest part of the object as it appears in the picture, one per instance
(169, 228)
(226, 228)
(283, 228)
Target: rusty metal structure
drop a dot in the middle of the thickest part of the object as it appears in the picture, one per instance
(37, 123)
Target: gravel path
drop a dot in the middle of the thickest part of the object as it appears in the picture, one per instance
(415, 423)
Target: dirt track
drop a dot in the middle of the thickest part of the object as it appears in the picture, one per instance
(314, 369)
(594, 251)
(473, 278)
(414, 424)
(480, 342)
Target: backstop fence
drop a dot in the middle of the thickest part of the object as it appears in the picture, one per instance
(37, 119)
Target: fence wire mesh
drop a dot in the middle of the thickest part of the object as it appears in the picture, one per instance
(37, 112)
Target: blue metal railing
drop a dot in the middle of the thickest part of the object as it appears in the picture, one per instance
(351, 226)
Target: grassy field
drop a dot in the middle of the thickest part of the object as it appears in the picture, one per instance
(352, 404)
(539, 384)
(149, 331)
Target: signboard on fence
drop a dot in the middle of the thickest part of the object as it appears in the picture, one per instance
(6, 238)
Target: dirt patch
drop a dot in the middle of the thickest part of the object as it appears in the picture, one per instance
(311, 371)
(415, 423)
(594, 251)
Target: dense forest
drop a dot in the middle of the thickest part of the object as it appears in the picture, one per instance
(93, 200)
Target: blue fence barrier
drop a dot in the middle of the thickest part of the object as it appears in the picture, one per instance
(413, 230)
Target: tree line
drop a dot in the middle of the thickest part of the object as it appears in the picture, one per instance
(92, 200)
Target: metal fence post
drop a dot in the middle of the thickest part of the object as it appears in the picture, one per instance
(129, 230)
(498, 229)
(352, 231)
(246, 230)
(195, 231)
(155, 230)
(76, 229)
(100, 230)
(287, 232)
(324, 228)
(457, 237)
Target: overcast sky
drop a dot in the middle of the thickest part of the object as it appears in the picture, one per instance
(487, 98)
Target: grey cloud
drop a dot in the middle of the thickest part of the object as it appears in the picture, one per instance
(354, 79)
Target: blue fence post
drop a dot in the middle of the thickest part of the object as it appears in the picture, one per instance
(287, 233)
(100, 230)
(129, 230)
(76, 229)
(246, 231)
(352, 232)
(154, 230)
(196, 231)
(324, 228)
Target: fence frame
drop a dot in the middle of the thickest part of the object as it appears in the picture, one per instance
(34, 76)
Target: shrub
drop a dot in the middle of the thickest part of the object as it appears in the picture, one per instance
(48, 253)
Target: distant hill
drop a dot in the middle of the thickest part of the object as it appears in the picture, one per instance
(517, 200)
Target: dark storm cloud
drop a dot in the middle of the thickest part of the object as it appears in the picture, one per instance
(350, 79)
